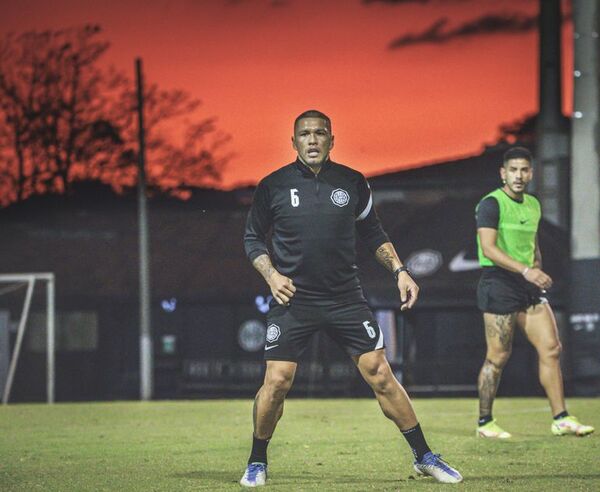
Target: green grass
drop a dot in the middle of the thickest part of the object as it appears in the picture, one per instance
(319, 445)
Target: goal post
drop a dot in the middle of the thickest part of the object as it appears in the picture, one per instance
(30, 279)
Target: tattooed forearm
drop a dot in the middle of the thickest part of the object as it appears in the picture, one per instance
(264, 266)
(502, 327)
(487, 384)
(386, 255)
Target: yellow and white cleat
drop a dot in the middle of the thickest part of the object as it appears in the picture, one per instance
(569, 425)
(492, 430)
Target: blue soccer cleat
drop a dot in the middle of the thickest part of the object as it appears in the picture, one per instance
(255, 476)
(433, 465)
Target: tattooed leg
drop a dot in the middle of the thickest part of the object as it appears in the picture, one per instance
(499, 330)
(487, 384)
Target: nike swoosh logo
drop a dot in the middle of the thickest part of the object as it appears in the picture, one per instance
(460, 264)
(523, 221)
(270, 347)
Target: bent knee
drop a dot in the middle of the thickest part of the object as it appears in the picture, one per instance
(552, 352)
(499, 358)
(278, 385)
(380, 378)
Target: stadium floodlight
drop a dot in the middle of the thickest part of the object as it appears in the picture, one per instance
(30, 279)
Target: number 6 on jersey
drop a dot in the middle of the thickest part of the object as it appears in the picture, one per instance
(294, 197)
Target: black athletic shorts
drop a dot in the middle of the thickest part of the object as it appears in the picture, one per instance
(502, 292)
(289, 328)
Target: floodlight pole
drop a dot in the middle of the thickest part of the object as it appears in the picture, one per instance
(50, 349)
(552, 128)
(584, 288)
(146, 370)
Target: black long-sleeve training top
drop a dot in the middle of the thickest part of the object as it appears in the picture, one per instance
(314, 219)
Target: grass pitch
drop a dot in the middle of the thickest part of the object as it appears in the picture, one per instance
(324, 445)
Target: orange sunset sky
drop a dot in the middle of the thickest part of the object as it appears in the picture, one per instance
(256, 64)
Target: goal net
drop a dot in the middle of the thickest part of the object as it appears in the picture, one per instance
(14, 312)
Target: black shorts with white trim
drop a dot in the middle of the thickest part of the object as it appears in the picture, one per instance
(502, 292)
(351, 325)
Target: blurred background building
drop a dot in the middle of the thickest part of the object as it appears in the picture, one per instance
(209, 305)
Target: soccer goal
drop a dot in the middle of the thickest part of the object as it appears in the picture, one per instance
(10, 283)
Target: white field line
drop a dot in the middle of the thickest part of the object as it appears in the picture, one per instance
(528, 410)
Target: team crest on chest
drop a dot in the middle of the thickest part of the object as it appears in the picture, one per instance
(273, 333)
(340, 197)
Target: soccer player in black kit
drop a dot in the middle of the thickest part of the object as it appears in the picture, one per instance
(314, 208)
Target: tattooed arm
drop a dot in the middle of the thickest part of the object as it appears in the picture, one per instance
(263, 265)
(282, 287)
(387, 256)
(488, 238)
(409, 290)
(370, 230)
(258, 223)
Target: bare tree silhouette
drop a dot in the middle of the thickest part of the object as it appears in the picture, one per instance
(182, 153)
(63, 119)
(521, 131)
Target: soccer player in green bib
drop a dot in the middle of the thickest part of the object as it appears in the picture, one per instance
(511, 293)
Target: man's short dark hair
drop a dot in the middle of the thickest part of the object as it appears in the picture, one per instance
(518, 153)
(313, 113)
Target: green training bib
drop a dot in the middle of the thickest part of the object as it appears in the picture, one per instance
(517, 227)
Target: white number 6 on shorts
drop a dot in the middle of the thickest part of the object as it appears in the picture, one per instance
(370, 329)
